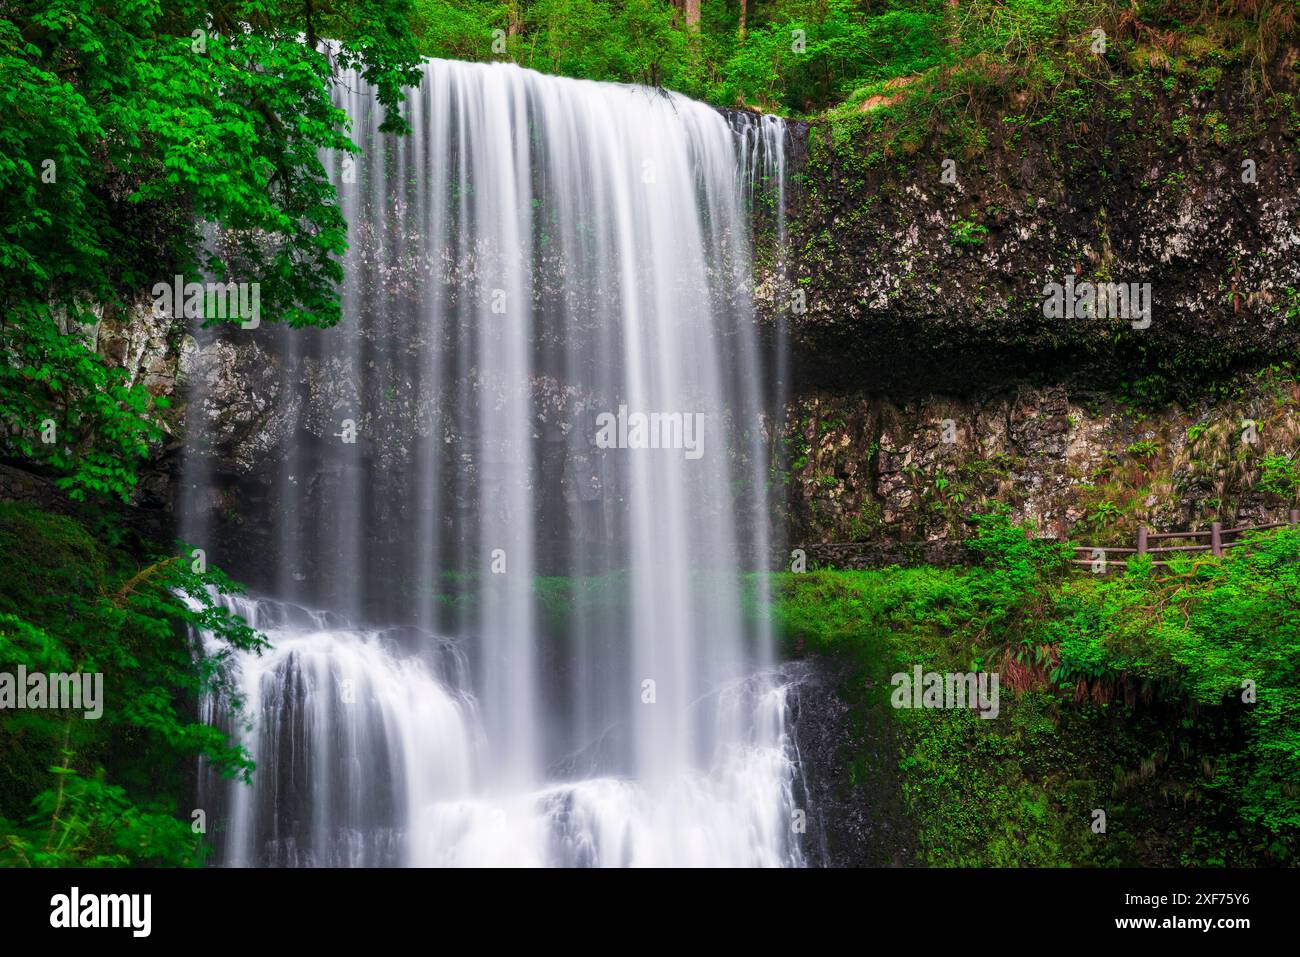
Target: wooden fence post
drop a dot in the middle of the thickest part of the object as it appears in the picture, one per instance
(1217, 546)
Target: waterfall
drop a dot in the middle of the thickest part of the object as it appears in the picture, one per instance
(527, 477)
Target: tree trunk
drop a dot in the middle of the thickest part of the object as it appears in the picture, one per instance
(692, 8)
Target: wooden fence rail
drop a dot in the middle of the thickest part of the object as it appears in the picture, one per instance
(1218, 541)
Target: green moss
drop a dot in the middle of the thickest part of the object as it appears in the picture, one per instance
(1118, 695)
(50, 559)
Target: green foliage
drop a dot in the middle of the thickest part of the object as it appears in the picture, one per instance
(632, 41)
(813, 56)
(967, 232)
(95, 824)
(53, 387)
(1129, 692)
(792, 56)
(124, 129)
(1003, 545)
(843, 47)
(1279, 476)
(458, 30)
(69, 604)
(1212, 634)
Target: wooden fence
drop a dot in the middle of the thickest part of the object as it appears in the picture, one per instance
(1220, 539)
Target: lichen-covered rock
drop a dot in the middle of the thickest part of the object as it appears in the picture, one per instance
(913, 285)
(241, 402)
(1077, 465)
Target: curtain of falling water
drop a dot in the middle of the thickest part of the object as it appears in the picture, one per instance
(537, 253)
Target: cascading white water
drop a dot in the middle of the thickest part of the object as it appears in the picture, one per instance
(542, 257)
(350, 739)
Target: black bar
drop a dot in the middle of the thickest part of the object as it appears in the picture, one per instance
(255, 908)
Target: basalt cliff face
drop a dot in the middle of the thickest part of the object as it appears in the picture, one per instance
(921, 266)
(928, 380)
(901, 477)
